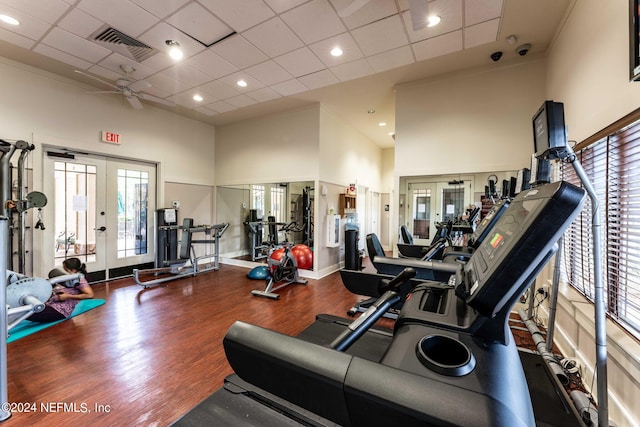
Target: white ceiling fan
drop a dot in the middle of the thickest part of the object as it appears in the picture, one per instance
(419, 10)
(131, 90)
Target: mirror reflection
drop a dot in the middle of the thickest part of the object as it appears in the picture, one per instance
(427, 202)
(262, 216)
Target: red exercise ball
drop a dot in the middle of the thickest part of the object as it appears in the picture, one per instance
(277, 256)
(303, 255)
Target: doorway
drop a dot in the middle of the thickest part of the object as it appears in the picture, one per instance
(102, 213)
(432, 203)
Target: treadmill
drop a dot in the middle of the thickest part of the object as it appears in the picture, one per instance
(451, 359)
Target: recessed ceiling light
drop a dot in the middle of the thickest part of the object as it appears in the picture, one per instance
(241, 83)
(336, 51)
(433, 20)
(9, 20)
(197, 97)
(382, 124)
(174, 50)
(371, 111)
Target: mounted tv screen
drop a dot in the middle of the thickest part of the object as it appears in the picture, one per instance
(548, 128)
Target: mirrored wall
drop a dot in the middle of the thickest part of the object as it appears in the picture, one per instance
(263, 215)
(426, 201)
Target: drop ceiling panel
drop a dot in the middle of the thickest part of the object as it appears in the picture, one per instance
(303, 20)
(450, 11)
(61, 56)
(121, 14)
(374, 10)
(268, 72)
(199, 23)
(352, 70)
(240, 15)
(218, 90)
(437, 46)
(273, 37)
(290, 87)
(30, 26)
(381, 36)
(211, 64)
(480, 34)
(320, 79)
(280, 6)
(80, 23)
(16, 39)
(114, 62)
(49, 11)
(238, 51)
(350, 49)
(480, 11)
(157, 37)
(233, 78)
(161, 9)
(190, 76)
(263, 95)
(221, 107)
(300, 62)
(391, 59)
(74, 45)
(240, 101)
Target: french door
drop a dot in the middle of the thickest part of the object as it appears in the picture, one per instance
(431, 203)
(102, 212)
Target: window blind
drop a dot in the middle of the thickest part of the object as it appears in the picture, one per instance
(613, 166)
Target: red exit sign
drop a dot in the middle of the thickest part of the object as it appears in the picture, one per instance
(110, 137)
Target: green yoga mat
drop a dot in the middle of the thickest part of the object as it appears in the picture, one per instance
(26, 327)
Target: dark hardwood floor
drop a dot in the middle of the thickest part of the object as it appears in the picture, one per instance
(147, 357)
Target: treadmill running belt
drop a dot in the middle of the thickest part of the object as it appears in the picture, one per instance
(549, 406)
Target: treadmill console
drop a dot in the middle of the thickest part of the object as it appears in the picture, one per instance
(487, 222)
(524, 235)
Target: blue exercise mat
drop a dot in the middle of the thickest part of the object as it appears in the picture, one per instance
(27, 327)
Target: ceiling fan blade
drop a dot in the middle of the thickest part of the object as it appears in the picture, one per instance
(152, 98)
(104, 91)
(135, 102)
(352, 8)
(97, 78)
(419, 10)
(139, 85)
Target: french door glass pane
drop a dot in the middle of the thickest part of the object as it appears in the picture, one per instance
(132, 208)
(74, 218)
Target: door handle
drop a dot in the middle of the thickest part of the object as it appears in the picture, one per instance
(103, 228)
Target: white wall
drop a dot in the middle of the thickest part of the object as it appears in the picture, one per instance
(305, 144)
(474, 121)
(346, 155)
(588, 69)
(61, 112)
(277, 148)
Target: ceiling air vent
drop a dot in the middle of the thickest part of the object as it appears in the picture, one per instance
(120, 42)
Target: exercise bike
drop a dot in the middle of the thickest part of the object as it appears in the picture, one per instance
(282, 266)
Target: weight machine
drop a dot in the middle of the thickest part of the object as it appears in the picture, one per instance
(186, 263)
(20, 297)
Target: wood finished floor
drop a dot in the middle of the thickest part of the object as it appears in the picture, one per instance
(149, 356)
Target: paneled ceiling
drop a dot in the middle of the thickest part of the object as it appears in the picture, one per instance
(280, 48)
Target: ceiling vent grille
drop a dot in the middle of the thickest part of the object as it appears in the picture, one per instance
(118, 41)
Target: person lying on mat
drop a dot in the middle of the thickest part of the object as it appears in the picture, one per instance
(66, 295)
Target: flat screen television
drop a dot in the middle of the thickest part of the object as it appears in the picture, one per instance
(548, 128)
(634, 40)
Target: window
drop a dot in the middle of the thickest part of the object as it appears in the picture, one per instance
(74, 201)
(133, 201)
(278, 202)
(257, 198)
(613, 166)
